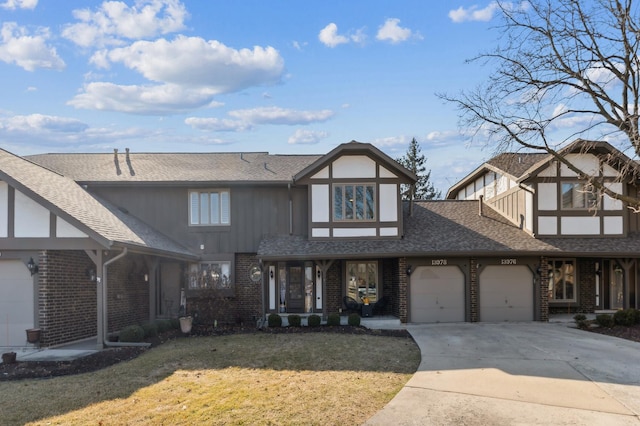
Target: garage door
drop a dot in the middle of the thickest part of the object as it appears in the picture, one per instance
(437, 294)
(506, 293)
(16, 303)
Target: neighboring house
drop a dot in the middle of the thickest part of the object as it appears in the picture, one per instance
(123, 238)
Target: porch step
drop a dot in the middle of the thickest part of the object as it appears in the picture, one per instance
(382, 323)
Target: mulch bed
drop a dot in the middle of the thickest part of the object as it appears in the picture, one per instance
(621, 331)
(47, 369)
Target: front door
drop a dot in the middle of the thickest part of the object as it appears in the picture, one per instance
(295, 290)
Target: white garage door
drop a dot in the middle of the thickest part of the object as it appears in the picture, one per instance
(16, 303)
(437, 294)
(506, 293)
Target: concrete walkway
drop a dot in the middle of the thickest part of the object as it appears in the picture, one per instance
(518, 374)
(67, 352)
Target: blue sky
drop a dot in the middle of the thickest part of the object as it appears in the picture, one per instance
(287, 77)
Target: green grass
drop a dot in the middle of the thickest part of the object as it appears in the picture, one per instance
(310, 378)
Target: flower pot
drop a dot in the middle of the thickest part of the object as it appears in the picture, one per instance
(185, 324)
(9, 358)
(33, 335)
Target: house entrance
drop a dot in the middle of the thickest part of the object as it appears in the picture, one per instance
(618, 287)
(296, 284)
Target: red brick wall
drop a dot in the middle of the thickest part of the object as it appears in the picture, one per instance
(127, 293)
(335, 289)
(474, 288)
(403, 289)
(66, 297)
(544, 289)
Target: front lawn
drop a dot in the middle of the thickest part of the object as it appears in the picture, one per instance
(307, 378)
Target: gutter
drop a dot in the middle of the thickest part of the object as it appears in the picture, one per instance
(105, 340)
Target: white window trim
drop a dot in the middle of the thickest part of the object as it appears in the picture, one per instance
(575, 281)
(224, 217)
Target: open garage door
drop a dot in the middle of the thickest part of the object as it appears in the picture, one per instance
(437, 294)
(16, 303)
(506, 293)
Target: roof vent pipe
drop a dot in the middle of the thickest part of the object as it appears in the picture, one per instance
(115, 154)
(127, 154)
(480, 202)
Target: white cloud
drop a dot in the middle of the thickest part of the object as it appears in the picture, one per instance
(391, 141)
(114, 21)
(246, 119)
(189, 72)
(276, 115)
(307, 137)
(473, 13)
(19, 4)
(329, 36)
(36, 123)
(158, 99)
(392, 31)
(28, 51)
(217, 125)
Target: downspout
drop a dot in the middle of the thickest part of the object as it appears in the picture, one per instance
(290, 210)
(105, 340)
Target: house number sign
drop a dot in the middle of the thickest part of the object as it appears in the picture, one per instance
(438, 262)
(508, 261)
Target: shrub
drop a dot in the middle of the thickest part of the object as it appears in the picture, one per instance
(150, 329)
(637, 316)
(579, 317)
(314, 320)
(333, 319)
(604, 320)
(275, 320)
(175, 323)
(294, 320)
(354, 319)
(132, 333)
(626, 317)
(163, 325)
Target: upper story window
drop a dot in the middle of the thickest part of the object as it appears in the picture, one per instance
(354, 202)
(578, 195)
(209, 207)
(562, 278)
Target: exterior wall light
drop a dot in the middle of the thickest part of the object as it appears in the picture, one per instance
(409, 270)
(32, 267)
(91, 274)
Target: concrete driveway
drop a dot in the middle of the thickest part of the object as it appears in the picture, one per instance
(518, 374)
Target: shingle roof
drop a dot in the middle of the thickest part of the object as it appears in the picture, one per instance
(515, 164)
(103, 221)
(448, 228)
(176, 167)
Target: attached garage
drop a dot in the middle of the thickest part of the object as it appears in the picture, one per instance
(506, 293)
(16, 303)
(437, 294)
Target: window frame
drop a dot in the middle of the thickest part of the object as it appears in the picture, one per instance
(223, 197)
(364, 270)
(216, 275)
(590, 199)
(553, 283)
(366, 208)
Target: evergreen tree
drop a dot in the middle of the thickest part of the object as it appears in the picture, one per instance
(415, 161)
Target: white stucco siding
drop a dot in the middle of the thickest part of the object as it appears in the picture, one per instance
(31, 219)
(550, 171)
(613, 225)
(354, 232)
(4, 210)
(388, 202)
(547, 196)
(384, 173)
(588, 163)
(391, 231)
(609, 171)
(610, 203)
(322, 174)
(547, 225)
(320, 232)
(320, 203)
(354, 166)
(580, 225)
(65, 230)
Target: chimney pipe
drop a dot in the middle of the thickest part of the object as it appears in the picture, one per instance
(127, 154)
(115, 154)
(480, 202)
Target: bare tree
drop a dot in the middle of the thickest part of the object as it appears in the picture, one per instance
(561, 63)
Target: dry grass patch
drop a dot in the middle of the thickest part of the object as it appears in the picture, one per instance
(309, 378)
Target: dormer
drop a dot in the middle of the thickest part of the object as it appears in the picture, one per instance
(354, 192)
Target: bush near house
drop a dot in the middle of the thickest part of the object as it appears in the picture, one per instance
(294, 320)
(150, 329)
(163, 325)
(274, 320)
(314, 320)
(605, 320)
(581, 320)
(625, 317)
(131, 333)
(354, 319)
(333, 319)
